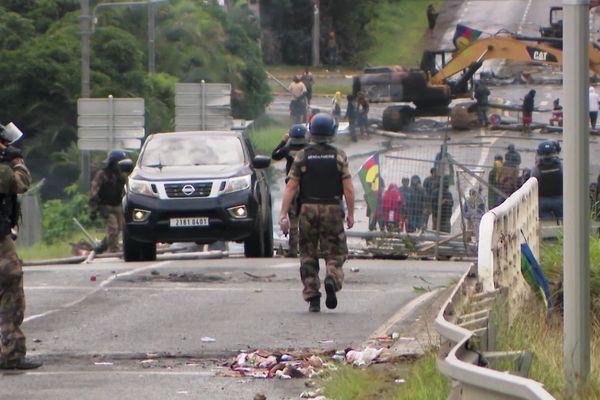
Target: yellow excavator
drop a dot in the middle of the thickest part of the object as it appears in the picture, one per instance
(430, 90)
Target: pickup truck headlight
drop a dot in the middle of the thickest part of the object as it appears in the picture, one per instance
(237, 184)
(142, 187)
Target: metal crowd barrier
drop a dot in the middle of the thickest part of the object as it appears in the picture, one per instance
(465, 320)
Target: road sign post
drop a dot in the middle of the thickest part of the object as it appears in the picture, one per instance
(203, 106)
(106, 124)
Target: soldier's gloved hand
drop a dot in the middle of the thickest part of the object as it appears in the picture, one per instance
(93, 215)
(10, 153)
(284, 224)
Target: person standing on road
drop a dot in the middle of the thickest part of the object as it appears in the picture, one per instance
(298, 103)
(290, 144)
(320, 172)
(593, 98)
(14, 178)
(494, 199)
(351, 116)
(417, 212)
(431, 18)
(308, 80)
(106, 194)
(481, 95)
(363, 115)
(512, 156)
(548, 172)
(429, 185)
(527, 110)
(392, 204)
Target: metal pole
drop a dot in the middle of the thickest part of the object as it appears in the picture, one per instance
(576, 268)
(316, 35)
(111, 122)
(85, 84)
(151, 37)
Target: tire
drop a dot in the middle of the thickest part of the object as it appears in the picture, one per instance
(396, 118)
(268, 236)
(254, 246)
(137, 251)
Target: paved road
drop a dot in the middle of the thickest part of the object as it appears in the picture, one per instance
(93, 335)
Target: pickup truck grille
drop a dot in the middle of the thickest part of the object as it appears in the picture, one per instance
(188, 190)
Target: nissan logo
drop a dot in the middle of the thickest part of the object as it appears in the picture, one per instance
(188, 190)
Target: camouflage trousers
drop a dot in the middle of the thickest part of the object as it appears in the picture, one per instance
(12, 303)
(321, 227)
(113, 216)
(294, 234)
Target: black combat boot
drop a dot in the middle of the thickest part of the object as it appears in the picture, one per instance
(21, 363)
(331, 299)
(314, 304)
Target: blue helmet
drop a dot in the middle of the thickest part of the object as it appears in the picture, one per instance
(297, 135)
(548, 148)
(322, 128)
(114, 156)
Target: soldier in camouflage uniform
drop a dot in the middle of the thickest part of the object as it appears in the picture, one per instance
(320, 173)
(291, 143)
(106, 194)
(14, 178)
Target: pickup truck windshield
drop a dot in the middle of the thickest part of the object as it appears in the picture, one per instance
(190, 150)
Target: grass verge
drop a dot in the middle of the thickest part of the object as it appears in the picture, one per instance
(44, 251)
(419, 380)
(399, 29)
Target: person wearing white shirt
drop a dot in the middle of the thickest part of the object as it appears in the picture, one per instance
(593, 106)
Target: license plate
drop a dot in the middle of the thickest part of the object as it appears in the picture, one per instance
(188, 222)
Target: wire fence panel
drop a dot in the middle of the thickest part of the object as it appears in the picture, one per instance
(431, 201)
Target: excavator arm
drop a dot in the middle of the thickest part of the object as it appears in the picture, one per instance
(506, 48)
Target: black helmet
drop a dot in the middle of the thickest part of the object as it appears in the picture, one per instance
(548, 148)
(114, 156)
(511, 147)
(297, 135)
(322, 127)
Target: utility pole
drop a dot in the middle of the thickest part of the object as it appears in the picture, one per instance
(151, 36)
(316, 35)
(85, 84)
(576, 263)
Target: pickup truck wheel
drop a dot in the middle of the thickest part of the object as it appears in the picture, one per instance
(268, 240)
(137, 251)
(254, 246)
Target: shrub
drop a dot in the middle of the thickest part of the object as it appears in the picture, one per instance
(58, 215)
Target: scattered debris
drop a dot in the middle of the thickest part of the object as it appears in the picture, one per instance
(154, 272)
(299, 364)
(93, 278)
(354, 269)
(37, 340)
(260, 277)
(103, 363)
(207, 339)
(260, 396)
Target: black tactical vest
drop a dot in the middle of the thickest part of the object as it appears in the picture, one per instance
(550, 182)
(322, 182)
(111, 192)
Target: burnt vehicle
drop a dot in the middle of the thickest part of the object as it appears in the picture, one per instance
(201, 187)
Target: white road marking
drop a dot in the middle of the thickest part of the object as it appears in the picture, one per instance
(402, 314)
(520, 30)
(96, 289)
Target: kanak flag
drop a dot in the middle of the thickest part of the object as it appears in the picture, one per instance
(464, 36)
(370, 178)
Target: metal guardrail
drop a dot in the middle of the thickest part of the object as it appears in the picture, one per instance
(497, 270)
